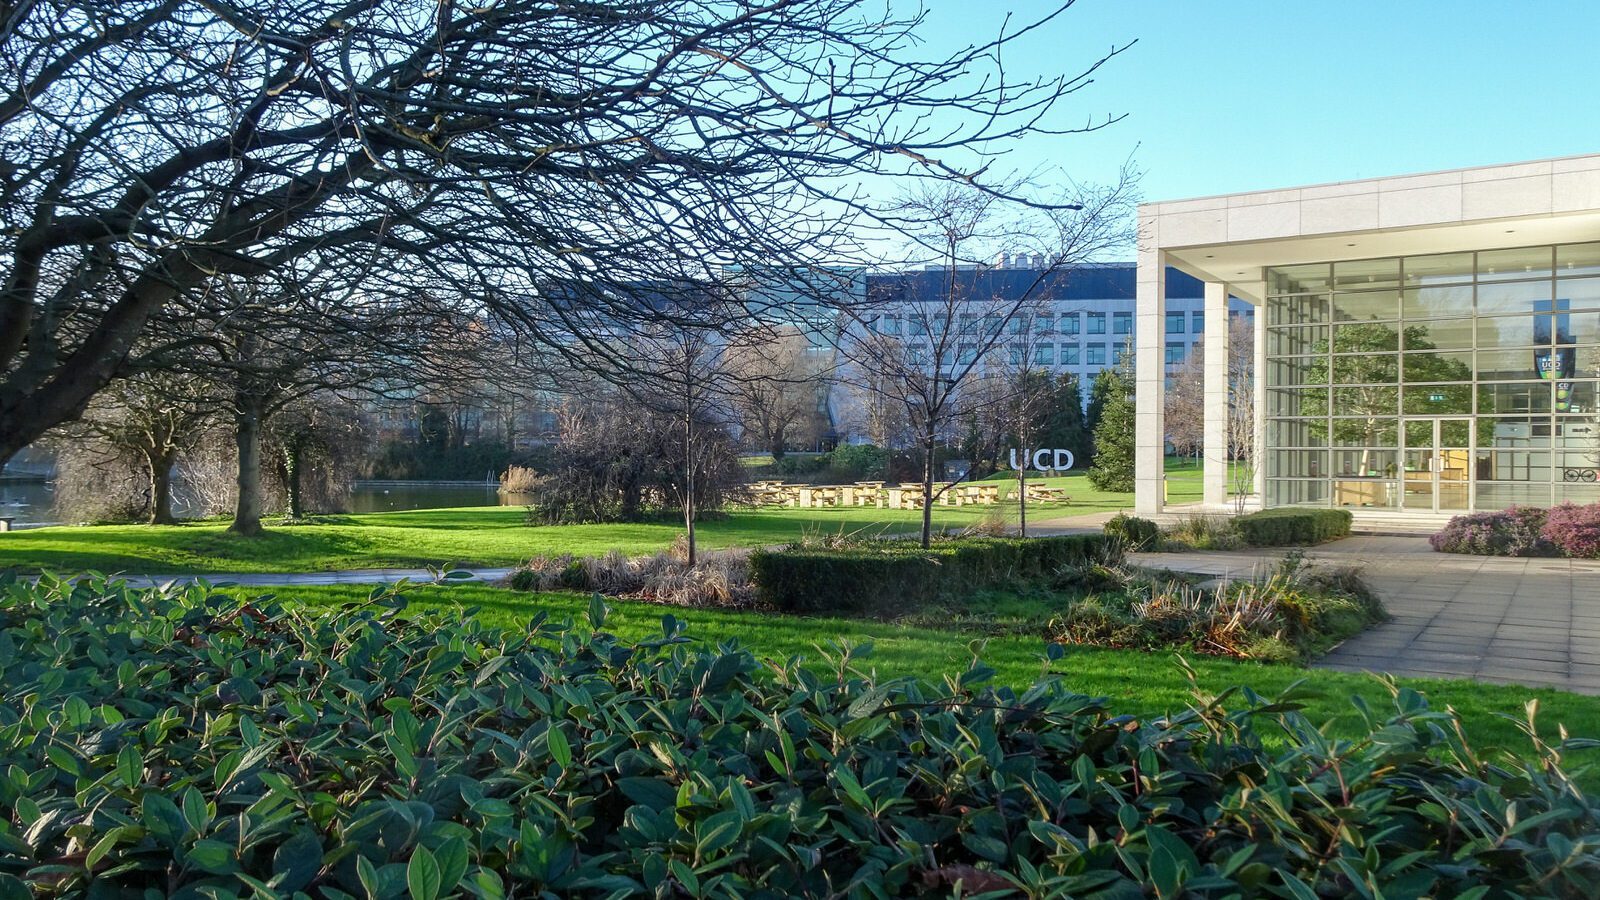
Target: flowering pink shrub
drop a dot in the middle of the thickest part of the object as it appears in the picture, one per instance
(1574, 529)
(1517, 531)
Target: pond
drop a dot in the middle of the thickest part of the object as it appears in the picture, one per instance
(30, 502)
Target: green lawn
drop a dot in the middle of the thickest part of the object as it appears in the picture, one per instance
(475, 536)
(1139, 683)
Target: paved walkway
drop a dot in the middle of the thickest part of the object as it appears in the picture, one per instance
(1514, 621)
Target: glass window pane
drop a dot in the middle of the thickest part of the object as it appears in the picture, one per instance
(1069, 323)
(1523, 262)
(1429, 366)
(1289, 492)
(1292, 370)
(1366, 368)
(1437, 302)
(1578, 293)
(1297, 340)
(1506, 331)
(1439, 334)
(1455, 433)
(1297, 279)
(1297, 463)
(1366, 274)
(1580, 328)
(1378, 432)
(1577, 397)
(1305, 309)
(1578, 259)
(1513, 432)
(1514, 297)
(1366, 462)
(1297, 432)
(1366, 401)
(1419, 433)
(1366, 306)
(1297, 401)
(1514, 397)
(1367, 337)
(1438, 399)
(1506, 365)
(1501, 496)
(1443, 268)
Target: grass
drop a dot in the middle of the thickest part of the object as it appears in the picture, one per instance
(1138, 683)
(475, 536)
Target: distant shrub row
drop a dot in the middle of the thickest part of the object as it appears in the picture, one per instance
(1281, 527)
(182, 744)
(886, 577)
(1565, 530)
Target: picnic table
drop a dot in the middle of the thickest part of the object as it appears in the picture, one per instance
(1044, 494)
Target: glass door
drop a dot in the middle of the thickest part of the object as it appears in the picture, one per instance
(1437, 465)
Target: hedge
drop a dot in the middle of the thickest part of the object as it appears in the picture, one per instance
(1287, 526)
(884, 577)
(180, 744)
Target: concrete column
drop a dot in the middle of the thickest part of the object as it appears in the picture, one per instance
(1150, 370)
(1260, 372)
(1214, 475)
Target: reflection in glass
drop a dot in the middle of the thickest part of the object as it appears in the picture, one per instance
(1366, 368)
(1580, 293)
(1514, 397)
(1366, 432)
(1438, 399)
(1298, 279)
(1297, 340)
(1506, 331)
(1513, 297)
(1523, 262)
(1366, 306)
(1297, 432)
(1578, 259)
(1437, 302)
(1441, 268)
(1439, 334)
(1366, 274)
(1429, 366)
(1309, 309)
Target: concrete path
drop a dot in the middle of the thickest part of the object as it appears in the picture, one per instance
(291, 579)
(1514, 621)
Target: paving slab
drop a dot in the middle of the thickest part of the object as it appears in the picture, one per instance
(1518, 621)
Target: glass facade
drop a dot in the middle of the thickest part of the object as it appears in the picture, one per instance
(1435, 383)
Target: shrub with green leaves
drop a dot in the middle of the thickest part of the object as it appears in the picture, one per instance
(886, 577)
(1133, 532)
(1287, 526)
(186, 744)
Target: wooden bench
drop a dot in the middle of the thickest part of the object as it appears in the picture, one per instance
(5, 522)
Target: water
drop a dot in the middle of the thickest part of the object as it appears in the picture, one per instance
(31, 502)
(393, 496)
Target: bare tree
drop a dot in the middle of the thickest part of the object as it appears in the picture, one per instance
(152, 417)
(778, 381)
(1186, 404)
(928, 354)
(1242, 408)
(541, 158)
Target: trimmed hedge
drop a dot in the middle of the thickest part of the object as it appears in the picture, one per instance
(884, 577)
(1287, 526)
(1134, 533)
(180, 744)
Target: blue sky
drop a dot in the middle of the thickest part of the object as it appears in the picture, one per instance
(1232, 96)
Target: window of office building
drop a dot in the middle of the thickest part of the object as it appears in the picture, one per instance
(1069, 323)
(1095, 355)
(1435, 383)
(1097, 322)
(1175, 323)
(1175, 352)
(1069, 354)
(1044, 355)
(1197, 321)
(1122, 323)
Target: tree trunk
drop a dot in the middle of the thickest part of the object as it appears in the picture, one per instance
(1022, 499)
(291, 478)
(688, 493)
(247, 437)
(160, 469)
(927, 491)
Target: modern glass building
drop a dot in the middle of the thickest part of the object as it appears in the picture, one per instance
(1436, 383)
(1423, 344)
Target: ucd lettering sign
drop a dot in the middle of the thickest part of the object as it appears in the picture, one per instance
(1043, 460)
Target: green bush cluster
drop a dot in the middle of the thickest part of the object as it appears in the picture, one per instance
(1287, 526)
(884, 577)
(189, 745)
(1133, 532)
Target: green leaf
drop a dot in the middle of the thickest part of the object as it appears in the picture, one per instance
(12, 888)
(717, 832)
(130, 765)
(560, 750)
(162, 818)
(597, 611)
(211, 856)
(452, 856)
(423, 876)
(649, 792)
(297, 861)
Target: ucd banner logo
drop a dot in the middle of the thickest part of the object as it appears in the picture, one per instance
(1043, 460)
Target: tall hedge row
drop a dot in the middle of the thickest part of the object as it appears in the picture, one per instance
(188, 745)
(880, 577)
